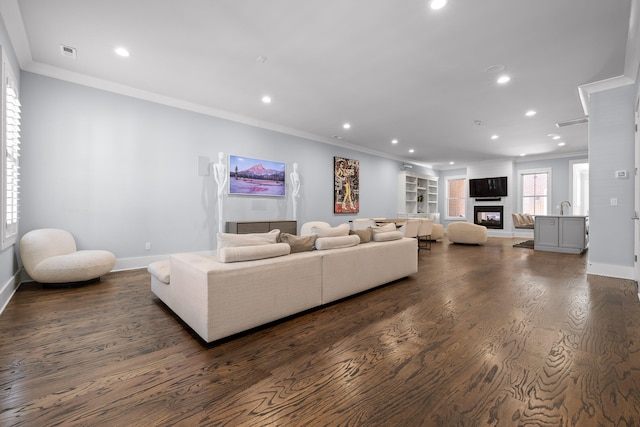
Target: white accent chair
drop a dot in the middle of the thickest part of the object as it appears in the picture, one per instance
(437, 233)
(411, 229)
(50, 255)
(424, 233)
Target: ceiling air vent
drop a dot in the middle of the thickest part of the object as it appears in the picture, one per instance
(68, 51)
(573, 122)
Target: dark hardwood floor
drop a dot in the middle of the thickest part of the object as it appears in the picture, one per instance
(481, 336)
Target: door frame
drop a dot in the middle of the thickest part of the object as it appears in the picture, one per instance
(636, 199)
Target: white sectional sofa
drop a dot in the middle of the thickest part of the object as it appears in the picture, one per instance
(218, 299)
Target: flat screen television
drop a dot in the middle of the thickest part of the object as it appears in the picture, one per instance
(488, 187)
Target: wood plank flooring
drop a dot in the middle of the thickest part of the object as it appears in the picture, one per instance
(482, 335)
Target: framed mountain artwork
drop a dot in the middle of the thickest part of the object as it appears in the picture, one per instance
(255, 177)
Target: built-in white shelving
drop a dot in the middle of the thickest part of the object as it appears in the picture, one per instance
(417, 195)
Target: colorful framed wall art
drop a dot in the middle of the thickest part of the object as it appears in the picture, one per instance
(346, 191)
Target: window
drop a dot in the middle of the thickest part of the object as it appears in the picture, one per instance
(11, 154)
(456, 197)
(535, 191)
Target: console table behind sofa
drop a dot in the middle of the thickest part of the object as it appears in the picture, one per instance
(244, 227)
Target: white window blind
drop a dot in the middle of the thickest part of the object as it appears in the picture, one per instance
(11, 149)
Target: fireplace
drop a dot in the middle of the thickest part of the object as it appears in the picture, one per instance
(489, 216)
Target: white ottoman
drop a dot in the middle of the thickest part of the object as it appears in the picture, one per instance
(466, 232)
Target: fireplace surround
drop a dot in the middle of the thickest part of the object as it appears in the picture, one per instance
(489, 216)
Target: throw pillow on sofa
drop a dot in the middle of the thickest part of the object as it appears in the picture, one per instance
(299, 243)
(230, 240)
(250, 253)
(383, 228)
(386, 236)
(336, 242)
(340, 230)
(364, 234)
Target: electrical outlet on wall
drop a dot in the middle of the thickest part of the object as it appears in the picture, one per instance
(147, 246)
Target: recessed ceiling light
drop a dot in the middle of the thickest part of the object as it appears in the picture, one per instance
(452, 163)
(523, 154)
(266, 99)
(495, 136)
(394, 141)
(437, 4)
(503, 79)
(347, 126)
(530, 113)
(412, 151)
(556, 137)
(122, 51)
(561, 144)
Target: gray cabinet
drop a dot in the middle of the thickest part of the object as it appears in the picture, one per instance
(244, 227)
(567, 234)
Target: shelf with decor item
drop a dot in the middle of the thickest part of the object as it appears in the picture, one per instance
(417, 195)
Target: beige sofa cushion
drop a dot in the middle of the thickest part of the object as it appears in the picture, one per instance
(335, 242)
(364, 234)
(230, 240)
(299, 243)
(305, 229)
(382, 228)
(386, 236)
(160, 270)
(250, 253)
(340, 230)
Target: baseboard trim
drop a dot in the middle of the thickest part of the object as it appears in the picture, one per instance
(610, 270)
(142, 262)
(7, 291)
(499, 233)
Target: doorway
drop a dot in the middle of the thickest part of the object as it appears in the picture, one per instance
(580, 187)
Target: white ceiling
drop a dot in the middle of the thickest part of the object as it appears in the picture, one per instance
(393, 69)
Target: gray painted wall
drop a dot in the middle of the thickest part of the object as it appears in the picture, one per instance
(560, 171)
(560, 175)
(118, 172)
(611, 148)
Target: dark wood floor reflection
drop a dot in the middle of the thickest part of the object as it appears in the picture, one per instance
(490, 335)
